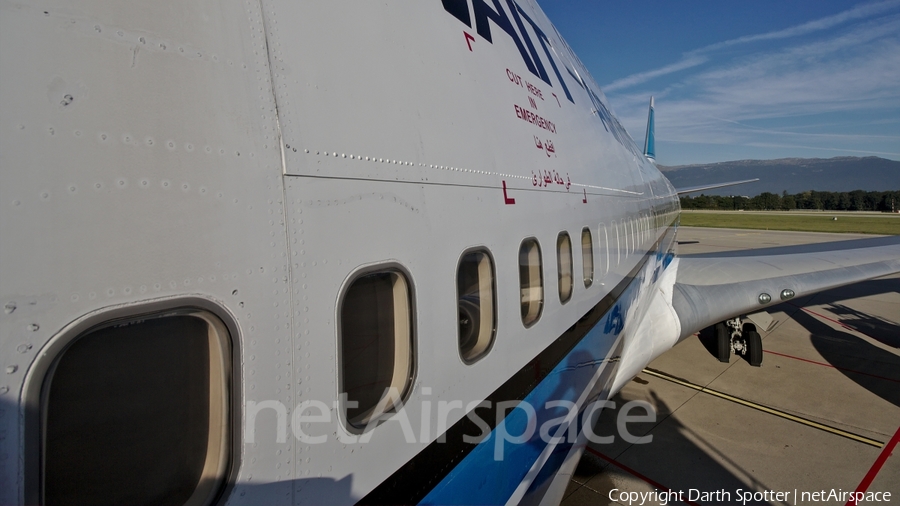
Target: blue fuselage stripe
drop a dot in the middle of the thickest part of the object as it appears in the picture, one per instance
(480, 478)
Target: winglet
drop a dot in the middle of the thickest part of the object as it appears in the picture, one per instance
(649, 142)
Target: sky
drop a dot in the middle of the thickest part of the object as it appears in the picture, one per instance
(736, 80)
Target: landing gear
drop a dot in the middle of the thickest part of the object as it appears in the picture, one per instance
(753, 345)
(723, 342)
(742, 339)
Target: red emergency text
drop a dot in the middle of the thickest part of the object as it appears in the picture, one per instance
(534, 119)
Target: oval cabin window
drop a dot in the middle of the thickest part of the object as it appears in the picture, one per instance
(376, 346)
(475, 301)
(587, 257)
(137, 412)
(531, 286)
(564, 264)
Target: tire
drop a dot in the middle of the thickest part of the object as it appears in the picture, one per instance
(723, 343)
(754, 343)
(469, 325)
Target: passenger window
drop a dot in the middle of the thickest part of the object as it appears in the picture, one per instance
(645, 229)
(587, 256)
(642, 229)
(615, 227)
(376, 345)
(530, 281)
(564, 265)
(604, 248)
(633, 235)
(475, 299)
(139, 412)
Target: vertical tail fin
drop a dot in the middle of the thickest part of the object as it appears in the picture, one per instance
(649, 141)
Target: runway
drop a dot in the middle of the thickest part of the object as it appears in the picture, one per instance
(816, 421)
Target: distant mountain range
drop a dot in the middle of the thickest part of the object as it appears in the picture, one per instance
(794, 175)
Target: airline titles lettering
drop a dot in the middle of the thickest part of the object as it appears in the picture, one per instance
(512, 21)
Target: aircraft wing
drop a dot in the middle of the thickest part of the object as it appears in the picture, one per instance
(694, 189)
(713, 287)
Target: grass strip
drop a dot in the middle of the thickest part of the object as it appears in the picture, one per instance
(824, 222)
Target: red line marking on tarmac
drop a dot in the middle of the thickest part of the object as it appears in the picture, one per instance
(876, 467)
(636, 474)
(832, 366)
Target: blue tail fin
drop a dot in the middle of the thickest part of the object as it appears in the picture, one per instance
(649, 141)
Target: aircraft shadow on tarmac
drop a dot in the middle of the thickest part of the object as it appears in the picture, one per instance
(678, 458)
(865, 364)
(880, 329)
(849, 353)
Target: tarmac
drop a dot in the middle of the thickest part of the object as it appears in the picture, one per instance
(807, 427)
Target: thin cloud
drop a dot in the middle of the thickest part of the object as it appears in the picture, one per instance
(855, 72)
(627, 82)
(699, 56)
(859, 12)
(783, 132)
(804, 55)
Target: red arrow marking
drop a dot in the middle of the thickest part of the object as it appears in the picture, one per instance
(469, 39)
(584, 200)
(557, 99)
(506, 199)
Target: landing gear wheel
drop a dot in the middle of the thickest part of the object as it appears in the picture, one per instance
(469, 323)
(754, 345)
(723, 342)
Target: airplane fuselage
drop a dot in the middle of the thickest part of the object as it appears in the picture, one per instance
(282, 171)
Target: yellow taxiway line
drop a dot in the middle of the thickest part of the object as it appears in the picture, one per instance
(765, 409)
